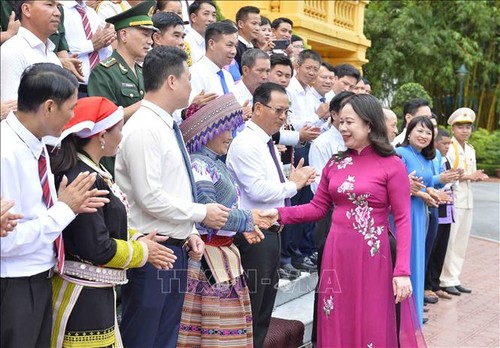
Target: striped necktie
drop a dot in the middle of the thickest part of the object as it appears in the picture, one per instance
(47, 198)
(93, 56)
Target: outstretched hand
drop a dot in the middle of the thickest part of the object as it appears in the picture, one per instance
(255, 236)
(261, 220)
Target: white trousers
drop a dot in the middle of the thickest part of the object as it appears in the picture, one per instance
(457, 246)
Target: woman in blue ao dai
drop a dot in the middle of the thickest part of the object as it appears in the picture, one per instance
(417, 152)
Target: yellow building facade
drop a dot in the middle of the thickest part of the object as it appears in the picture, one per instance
(332, 28)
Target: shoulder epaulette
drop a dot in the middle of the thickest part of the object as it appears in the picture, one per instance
(108, 62)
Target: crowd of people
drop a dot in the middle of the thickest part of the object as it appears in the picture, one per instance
(160, 177)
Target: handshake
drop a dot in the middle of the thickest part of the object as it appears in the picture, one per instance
(264, 219)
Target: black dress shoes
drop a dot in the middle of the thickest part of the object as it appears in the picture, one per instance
(451, 290)
(306, 265)
(462, 289)
(425, 320)
(287, 271)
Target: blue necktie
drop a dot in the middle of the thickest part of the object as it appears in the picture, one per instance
(322, 99)
(223, 81)
(187, 163)
(270, 144)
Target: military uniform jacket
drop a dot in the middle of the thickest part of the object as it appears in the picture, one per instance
(113, 79)
(465, 159)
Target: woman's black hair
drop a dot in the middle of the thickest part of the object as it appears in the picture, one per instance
(66, 157)
(368, 108)
(429, 152)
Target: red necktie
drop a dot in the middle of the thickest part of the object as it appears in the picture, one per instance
(93, 56)
(47, 198)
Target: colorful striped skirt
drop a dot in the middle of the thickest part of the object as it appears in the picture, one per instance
(215, 314)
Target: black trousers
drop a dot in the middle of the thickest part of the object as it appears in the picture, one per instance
(261, 262)
(436, 259)
(26, 311)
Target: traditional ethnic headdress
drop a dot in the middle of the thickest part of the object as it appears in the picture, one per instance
(202, 124)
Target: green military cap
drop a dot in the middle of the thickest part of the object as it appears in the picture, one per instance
(137, 16)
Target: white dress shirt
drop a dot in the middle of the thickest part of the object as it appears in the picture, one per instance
(197, 44)
(242, 94)
(303, 112)
(150, 170)
(253, 167)
(19, 52)
(245, 42)
(322, 149)
(75, 35)
(29, 248)
(204, 77)
(398, 140)
(107, 9)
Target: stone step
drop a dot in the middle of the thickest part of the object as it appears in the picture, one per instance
(290, 290)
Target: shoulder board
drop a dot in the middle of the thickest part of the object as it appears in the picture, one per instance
(108, 62)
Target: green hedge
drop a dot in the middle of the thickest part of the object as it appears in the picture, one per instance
(487, 146)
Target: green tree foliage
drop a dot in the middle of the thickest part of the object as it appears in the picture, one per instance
(407, 92)
(426, 41)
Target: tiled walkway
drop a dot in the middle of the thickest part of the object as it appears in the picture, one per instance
(470, 320)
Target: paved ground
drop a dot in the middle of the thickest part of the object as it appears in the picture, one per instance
(470, 320)
(473, 320)
(486, 218)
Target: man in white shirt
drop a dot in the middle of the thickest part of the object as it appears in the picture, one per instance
(346, 79)
(411, 109)
(248, 22)
(201, 15)
(208, 74)
(39, 20)
(255, 66)
(91, 48)
(153, 169)
(170, 30)
(253, 160)
(328, 143)
(47, 96)
(307, 67)
(321, 86)
(298, 240)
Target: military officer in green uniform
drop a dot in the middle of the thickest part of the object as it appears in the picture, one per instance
(119, 77)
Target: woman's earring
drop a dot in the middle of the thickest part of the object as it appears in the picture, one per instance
(102, 145)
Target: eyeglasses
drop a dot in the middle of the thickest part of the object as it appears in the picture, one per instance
(279, 111)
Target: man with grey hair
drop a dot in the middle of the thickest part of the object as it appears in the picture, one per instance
(255, 68)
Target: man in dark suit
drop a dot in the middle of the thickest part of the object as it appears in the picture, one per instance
(248, 22)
